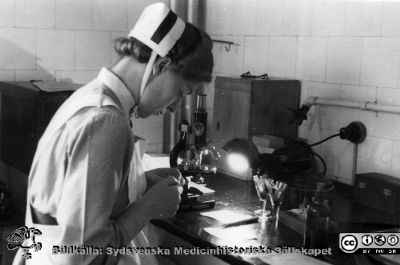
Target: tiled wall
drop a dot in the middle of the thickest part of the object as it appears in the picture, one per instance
(337, 48)
(346, 49)
(64, 40)
(67, 40)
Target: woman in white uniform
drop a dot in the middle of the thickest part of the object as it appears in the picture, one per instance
(87, 190)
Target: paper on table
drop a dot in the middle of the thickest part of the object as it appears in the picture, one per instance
(235, 234)
(290, 259)
(227, 216)
(201, 188)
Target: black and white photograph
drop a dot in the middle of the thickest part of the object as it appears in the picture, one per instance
(194, 132)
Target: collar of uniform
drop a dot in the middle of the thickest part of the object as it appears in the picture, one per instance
(121, 91)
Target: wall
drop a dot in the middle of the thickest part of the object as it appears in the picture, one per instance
(337, 48)
(346, 49)
(67, 40)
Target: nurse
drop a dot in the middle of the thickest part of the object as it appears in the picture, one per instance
(87, 189)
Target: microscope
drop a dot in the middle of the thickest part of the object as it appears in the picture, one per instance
(195, 157)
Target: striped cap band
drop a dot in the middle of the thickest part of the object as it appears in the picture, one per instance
(159, 28)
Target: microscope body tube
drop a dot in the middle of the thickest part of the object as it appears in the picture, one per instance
(200, 122)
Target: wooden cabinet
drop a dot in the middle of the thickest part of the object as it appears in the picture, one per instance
(244, 108)
(25, 112)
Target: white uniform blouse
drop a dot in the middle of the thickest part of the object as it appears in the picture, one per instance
(81, 178)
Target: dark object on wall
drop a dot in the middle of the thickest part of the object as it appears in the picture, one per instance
(25, 112)
(355, 132)
(244, 108)
(299, 115)
(378, 191)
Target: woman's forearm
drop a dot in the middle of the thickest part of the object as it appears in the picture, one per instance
(131, 222)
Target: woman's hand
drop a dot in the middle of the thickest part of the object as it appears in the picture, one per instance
(162, 200)
(158, 174)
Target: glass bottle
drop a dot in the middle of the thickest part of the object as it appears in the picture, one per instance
(316, 232)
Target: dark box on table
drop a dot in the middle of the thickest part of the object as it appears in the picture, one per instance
(378, 191)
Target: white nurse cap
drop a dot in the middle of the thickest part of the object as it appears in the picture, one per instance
(159, 28)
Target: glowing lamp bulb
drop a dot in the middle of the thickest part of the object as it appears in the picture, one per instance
(237, 162)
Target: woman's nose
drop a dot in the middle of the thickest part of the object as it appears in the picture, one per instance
(171, 109)
(174, 105)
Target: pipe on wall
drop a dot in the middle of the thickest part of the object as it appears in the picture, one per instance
(170, 133)
(363, 105)
(188, 10)
(188, 102)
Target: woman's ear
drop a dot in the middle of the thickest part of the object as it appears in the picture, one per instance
(161, 64)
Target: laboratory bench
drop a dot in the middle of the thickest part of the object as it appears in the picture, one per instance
(240, 195)
(187, 228)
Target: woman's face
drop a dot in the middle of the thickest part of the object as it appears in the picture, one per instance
(164, 92)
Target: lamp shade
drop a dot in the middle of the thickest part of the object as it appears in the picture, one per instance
(244, 147)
